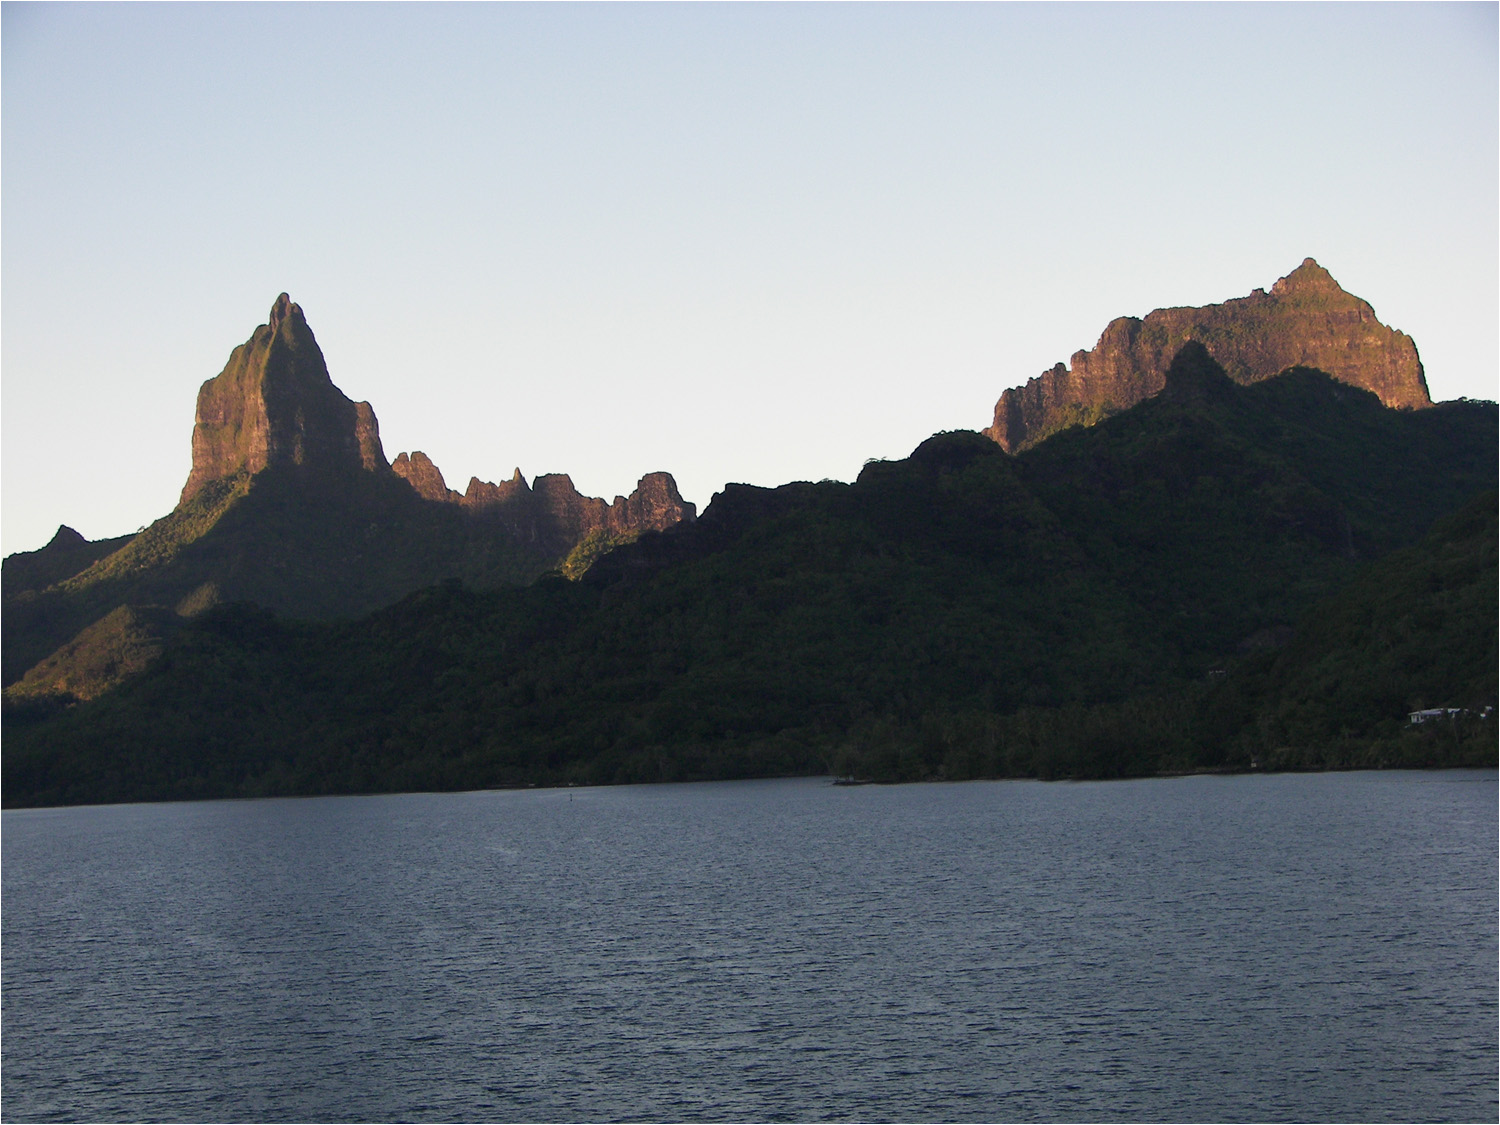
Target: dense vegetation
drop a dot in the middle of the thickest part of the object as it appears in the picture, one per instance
(113, 649)
(1415, 631)
(1115, 601)
(308, 544)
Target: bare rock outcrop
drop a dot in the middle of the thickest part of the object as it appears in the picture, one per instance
(425, 478)
(550, 512)
(1306, 320)
(481, 495)
(274, 404)
(565, 515)
(655, 504)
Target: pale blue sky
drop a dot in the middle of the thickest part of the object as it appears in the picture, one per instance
(739, 243)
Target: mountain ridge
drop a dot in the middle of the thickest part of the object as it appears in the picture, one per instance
(1306, 320)
(1099, 605)
(290, 502)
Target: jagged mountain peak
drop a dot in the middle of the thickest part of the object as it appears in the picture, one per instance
(550, 511)
(274, 404)
(425, 478)
(66, 539)
(1309, 275)
(1307, 319)
(281, 310)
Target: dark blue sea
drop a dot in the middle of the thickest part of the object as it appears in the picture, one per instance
(1317, 947)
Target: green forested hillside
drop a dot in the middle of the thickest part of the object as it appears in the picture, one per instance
(310, 545)
(1418, 630)
(1413, 631)
(1107, 603)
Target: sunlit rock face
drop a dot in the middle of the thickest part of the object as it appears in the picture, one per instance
(274, 404)
(551, 512)
(654, 504)
(1306, 320)
(425, 478)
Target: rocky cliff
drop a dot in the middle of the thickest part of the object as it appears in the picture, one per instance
(274, 404)
(551, 512)
(1307, 320)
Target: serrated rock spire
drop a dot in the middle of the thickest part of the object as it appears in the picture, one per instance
(274, 404)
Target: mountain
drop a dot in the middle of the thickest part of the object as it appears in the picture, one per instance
(1306, 320)
(550, 512)
(291, 504)
(66, 554)
(274, 405)
(1102, 604)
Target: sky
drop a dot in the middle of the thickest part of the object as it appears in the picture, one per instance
(754, 243)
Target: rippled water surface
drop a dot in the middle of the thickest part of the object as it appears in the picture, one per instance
(1307, 947)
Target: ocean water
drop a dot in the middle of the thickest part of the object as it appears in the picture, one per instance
(1295, 947)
